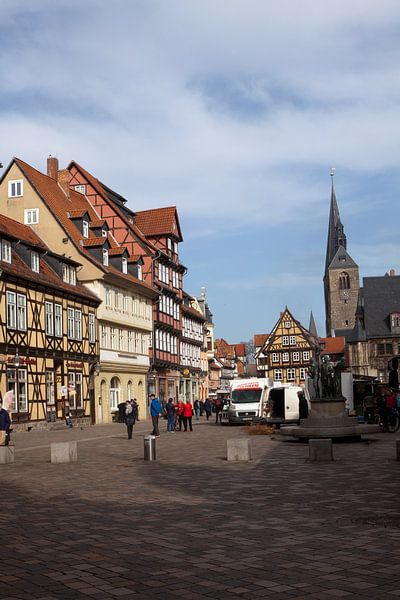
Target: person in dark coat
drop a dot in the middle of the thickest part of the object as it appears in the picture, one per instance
(5, 423)
(208, 408)
(170, 410)
(130, 418)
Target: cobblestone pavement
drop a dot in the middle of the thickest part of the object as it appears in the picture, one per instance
(193, 526)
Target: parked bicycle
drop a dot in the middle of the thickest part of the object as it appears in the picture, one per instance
(389, 422)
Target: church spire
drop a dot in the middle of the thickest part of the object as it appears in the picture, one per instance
(312, 328)
(336, 235)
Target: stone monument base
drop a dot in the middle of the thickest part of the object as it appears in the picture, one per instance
(328, 418)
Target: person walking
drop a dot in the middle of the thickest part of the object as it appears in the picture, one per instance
(170, 410)
(155, 411)
(180, 414)
(197, 409)
(5, 425)
(130, 417)
(218, 410)
(208, 408)
(187, 413)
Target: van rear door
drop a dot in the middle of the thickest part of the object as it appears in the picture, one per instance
(291, 404)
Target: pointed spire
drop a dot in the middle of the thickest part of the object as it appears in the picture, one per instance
(312, 328)
(336, 235)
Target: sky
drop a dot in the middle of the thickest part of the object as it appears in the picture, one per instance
(232, 110)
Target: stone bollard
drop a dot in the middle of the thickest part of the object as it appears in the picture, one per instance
(64, 452)
(397, 449)
(320, 449)
(238, 449)
(7, 454)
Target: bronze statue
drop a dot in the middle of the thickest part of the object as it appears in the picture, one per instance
(326, 376)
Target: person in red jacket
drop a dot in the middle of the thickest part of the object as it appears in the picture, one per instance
(187, 415)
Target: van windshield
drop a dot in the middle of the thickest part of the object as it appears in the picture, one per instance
(244, 396)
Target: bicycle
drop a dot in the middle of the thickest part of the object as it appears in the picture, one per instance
(389, 422)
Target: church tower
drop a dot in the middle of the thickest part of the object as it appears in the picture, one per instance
(341, 278)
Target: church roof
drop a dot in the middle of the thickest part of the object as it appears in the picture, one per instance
(381, 298)
(342, 260)
(336, 236)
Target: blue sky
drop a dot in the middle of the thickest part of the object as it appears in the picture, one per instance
(235, 112)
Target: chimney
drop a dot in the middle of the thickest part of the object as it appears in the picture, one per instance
(52, 167)
(392, 273)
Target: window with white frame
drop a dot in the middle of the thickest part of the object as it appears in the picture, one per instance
(292, 340)
(78, 324)
(175, 279)
(49, 311)
(124, 265)
(278, 376)
(116, 299)
(126, 303)
(303, 372)
(169, 243)
(139, 272)
(71, 324)
(17, 383)
(15, 188)
(291, 374)
(85, 229)
(285, 357)
(137, 342)
(35, 262)
(113, 338)
(11, 310)
(92, 328)
(31, 216)
(6, 251)
(104, 336)
(287, 324)
(108, 297)
(49, 376)
(306, 355)
(75, 389)
(285, 340)
(130, 341)
(121, 339)
(296, 356)
(21, 312)
(175, 247)
(69, 274)
(105, 257)
(58, 320)
(74, 324)
(81, 188)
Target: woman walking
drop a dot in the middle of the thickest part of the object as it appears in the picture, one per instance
(187, 415)
(130, 418)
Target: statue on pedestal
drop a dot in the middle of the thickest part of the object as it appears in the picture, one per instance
(326, 377)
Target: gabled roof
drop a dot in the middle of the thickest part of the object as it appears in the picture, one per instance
(18, 231)
(240, 349)
(260, 339)
(333, 345)
(286, 314)
(117, 251)
(105, 193)
(342, 260)
(381, 299)
(59, 204)
(77, 214)
(159, 221)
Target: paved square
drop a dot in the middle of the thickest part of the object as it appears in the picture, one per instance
(193, 526)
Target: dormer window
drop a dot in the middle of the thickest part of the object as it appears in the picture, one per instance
(35, 262)
(85, 229)
(139, 271)
(69, 274)
(81, 189)
(104, 232)
(125, 265)
(15, 188)
(395, 322)
(6, 251)
(175, 247)
(169, 243)
(105, 257)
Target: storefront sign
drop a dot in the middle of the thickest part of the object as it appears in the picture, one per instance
(22, 360)
(75, 365)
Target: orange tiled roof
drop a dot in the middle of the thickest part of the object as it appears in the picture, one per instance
(260, 339)
(76, 214)
(97, 186)
(159, 221)
(60, 204)
(93, 241)
(18, 231)
(240, 349)
(333, 345)
(192, 311)
(116, 251)
(97, 223)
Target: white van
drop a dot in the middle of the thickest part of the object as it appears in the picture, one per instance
(283, 404)
(246, 402)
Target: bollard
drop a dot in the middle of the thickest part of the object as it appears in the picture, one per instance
(64, 452)
(7, 454)
(320, 449)
(397, 449)
(238, 449)
(149, 447)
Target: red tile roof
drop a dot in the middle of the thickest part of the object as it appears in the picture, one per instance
(60, 204)
(333, 345)
(97, 186)
(260, 339)
(76, 214)
(159, 221)
(192, 311)
(97, 223)
(116, 251)
(240, 349)
(94, 241)
(18, 231)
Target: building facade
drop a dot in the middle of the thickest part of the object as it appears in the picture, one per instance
(289, 349)
(49, 351)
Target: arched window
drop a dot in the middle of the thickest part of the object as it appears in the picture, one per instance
(129, 391)
(115, 393)
(344, 281)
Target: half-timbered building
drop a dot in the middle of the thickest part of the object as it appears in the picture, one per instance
(49, 348)
(288, 350)
(194, 381)
(70, 226)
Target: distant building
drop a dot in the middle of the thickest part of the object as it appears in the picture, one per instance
(259, 341)
(288, 350)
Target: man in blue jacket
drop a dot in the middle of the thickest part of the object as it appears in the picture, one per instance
(155, 411)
